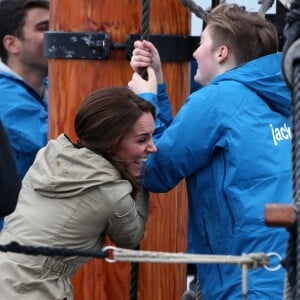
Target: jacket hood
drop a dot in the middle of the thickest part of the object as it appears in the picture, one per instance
(8, 71)
(7, 76)
(260, 75)
(62, 171)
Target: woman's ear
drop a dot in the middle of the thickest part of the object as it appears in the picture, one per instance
(11, 43)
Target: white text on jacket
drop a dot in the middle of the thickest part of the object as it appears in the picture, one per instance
(280, 133)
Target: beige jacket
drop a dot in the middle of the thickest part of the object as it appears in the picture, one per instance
(70, 198)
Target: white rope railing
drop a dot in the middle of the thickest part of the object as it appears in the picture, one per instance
(246, 261)
(252, 260)
(113, 254)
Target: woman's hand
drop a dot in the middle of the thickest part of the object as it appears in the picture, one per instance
(140, 85)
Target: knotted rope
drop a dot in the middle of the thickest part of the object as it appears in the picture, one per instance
(253, 261)
(291, 73)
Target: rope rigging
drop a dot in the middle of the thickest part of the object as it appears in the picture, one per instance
(113, 254)
(291, 73)
(194, 8)
(145, 30)
(134, 271)
(265, 6)
(47, 251)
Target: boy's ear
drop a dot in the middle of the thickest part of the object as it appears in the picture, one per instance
(11, 43)
(223, 53)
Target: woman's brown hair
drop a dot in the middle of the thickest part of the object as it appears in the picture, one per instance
(105, 117)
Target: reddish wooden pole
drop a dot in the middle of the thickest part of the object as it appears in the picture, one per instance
(280, 215)
(71, 80)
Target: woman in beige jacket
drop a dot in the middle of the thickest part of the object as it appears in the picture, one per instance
(76, 194)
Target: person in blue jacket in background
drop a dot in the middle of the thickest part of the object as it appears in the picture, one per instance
(231, 141)
(23, 73)
(23, 78)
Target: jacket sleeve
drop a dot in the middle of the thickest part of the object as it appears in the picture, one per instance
(27, 126)
(126, 224)
(186, 145)
(10, 183)
(163, 111)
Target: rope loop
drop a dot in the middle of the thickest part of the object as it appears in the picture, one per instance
(108, 258)
(276, 267)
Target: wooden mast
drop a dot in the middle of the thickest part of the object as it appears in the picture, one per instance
(71, 80)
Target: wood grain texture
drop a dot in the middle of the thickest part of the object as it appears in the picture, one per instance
(280, 215)
(71, 81)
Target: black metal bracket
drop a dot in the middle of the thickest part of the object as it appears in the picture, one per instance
(76, 45)
(171, 48)
(96, 45)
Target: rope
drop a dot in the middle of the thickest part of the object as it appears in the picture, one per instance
(287, 290)
(296, 166)
(145, 30)
(291, 73)
(194, 8)
(253, 261)
(296, 133)
(134, 276)
(245, 261)
(134, 271)
(145, 20)
(31, 250)
(265, 6)
(297, 285)
(198, 290)
(292, 286)
(291, 50)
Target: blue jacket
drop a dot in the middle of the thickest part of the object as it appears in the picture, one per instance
(231, 141)
(24, 116)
